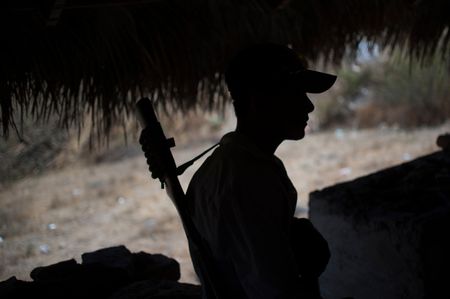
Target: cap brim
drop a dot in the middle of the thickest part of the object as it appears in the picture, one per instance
(315, 82)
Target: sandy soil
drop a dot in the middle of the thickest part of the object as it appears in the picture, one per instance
(61, 214)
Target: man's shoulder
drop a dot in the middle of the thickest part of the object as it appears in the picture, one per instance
(232, 165)
(231, 158)
(224, 162)
(216, 176)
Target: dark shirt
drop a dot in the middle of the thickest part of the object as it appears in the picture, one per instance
(242, 204)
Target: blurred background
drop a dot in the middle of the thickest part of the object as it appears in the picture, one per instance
(64, 192)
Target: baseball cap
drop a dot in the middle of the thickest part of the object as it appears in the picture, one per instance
(266, 67)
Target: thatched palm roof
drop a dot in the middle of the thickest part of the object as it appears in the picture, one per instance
(66, 57)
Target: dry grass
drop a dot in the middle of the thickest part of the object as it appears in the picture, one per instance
(65, 212)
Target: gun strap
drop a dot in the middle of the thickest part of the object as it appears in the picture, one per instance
(184, 166)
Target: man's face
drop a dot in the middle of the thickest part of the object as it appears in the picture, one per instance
(295, 107)
(287, 110)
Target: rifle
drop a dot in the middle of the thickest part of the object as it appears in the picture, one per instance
(200, 254)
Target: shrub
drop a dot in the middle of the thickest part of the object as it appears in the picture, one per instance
(390, 90)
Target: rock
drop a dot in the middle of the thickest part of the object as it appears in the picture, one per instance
(155, 267)
(68, 278)
(102, 273)
(158, 290)
(118, 257)
(387, 232)
(58, 271)
(443, 141)
(14, 288)
(138, 266)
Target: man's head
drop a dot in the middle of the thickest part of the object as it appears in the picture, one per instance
(268, 84)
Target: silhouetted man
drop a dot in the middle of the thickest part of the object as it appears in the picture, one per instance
(241, 199)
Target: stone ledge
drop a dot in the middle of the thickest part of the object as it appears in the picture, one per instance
(387, 231)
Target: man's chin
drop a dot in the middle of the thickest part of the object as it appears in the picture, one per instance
(297, 136)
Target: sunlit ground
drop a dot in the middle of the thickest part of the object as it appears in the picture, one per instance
(63, 213)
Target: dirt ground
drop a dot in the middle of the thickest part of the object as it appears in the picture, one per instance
(63, 213)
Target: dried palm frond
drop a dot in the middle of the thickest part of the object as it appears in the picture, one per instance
(101, 56)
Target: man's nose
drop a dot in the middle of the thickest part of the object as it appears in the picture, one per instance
(309, 106)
